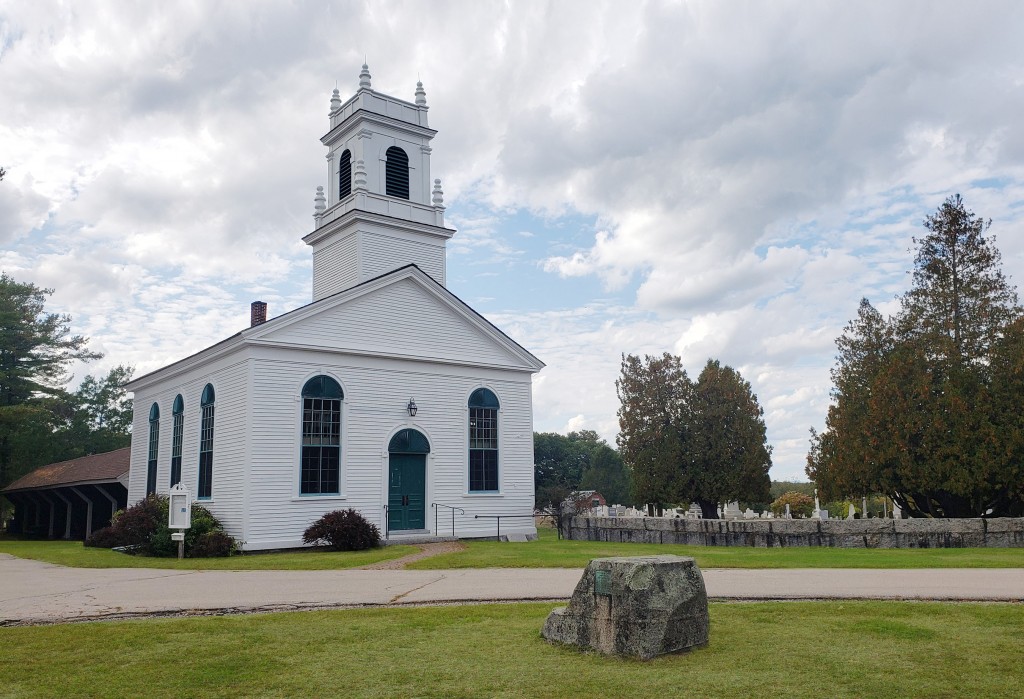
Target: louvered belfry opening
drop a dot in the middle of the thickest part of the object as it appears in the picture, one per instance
(397, 173)
(345, 175)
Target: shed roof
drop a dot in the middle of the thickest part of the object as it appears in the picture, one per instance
(96, 468)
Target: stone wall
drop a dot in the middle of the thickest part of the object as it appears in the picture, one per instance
(843, 533)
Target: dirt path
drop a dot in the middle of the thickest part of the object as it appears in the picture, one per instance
(426, 551)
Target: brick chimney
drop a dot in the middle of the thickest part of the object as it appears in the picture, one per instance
(258, 314)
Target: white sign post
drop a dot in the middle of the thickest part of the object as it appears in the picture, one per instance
(179, 515)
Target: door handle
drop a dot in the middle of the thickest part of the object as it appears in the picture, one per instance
(405, 499)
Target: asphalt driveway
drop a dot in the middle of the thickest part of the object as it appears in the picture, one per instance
(32, 592)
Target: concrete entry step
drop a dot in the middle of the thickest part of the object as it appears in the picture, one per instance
(415, 536)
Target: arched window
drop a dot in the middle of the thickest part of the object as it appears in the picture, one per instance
(321, 437)
(206, 444)
(177, 430)
(345, 174)
(397, 173)
(409, 441)
(154, 448)
(483, 441)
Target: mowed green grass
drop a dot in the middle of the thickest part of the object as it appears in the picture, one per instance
(550, 552)
(73, 554)
(848, 649)
(547, 552)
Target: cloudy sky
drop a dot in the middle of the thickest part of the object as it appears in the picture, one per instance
(712, 179)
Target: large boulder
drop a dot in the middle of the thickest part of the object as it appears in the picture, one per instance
(639, 606)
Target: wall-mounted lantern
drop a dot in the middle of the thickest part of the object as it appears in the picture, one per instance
(412, 407)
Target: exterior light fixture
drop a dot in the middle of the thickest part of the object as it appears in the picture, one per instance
(412, 407)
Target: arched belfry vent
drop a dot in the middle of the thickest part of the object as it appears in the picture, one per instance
(345, 174)
(397, 173)
(409, 441)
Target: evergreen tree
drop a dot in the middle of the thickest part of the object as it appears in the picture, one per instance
(654, 394)
(925, 405)
(729, 456)
(36, 350)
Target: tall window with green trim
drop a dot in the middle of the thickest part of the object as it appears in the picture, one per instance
(205, 491)
(177, 431)
(483, 441)
(320, 470)
(154, 448)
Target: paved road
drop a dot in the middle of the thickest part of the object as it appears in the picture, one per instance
(34, 592)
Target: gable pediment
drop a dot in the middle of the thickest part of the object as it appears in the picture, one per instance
(403, 314)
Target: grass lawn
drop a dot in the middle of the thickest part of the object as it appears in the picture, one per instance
(848, 649)
(549, 552)
(73, 554)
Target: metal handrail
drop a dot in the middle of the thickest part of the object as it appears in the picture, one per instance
(498, 517)
(435, 505)
(387, 528)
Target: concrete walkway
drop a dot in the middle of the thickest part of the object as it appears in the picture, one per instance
(32, 592)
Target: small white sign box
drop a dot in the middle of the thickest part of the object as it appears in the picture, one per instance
(179, 513)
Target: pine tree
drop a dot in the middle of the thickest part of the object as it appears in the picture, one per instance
(36, 350)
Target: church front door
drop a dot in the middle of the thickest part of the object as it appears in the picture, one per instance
(406, 491)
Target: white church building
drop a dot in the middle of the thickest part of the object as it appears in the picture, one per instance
(386, 394)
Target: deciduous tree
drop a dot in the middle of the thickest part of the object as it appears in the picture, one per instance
(607, 475)
(561, 459)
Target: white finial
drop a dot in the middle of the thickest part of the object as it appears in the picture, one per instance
(364, 77)
(421, 95)
(359, 178)
(335, 100)
(319, 202)
(438, 197)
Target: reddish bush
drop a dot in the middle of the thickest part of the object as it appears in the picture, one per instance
(343, 530)
(800, 505)
(143, 529)
(213, 545)
(106, 538)
(136, 525)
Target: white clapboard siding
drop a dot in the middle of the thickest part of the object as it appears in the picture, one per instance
(374, 409)
(396, 339)
(335, 267)
(379, 254)
(401, 318)
(229, 377)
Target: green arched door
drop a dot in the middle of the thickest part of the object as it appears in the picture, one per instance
(407, 480)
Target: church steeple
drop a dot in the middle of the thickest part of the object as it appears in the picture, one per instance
(381, 211)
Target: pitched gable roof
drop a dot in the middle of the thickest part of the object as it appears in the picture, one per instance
(260, 334)
(96, 468)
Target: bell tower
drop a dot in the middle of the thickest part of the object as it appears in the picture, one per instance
(380, 210)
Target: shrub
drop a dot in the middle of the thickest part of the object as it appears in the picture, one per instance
(135, 526)
(800, 504)
(106, 538)
(143, 528)
(213, 544)
(343, 530)
(203, 522)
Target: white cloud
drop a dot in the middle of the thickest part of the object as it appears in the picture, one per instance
(752, 171)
